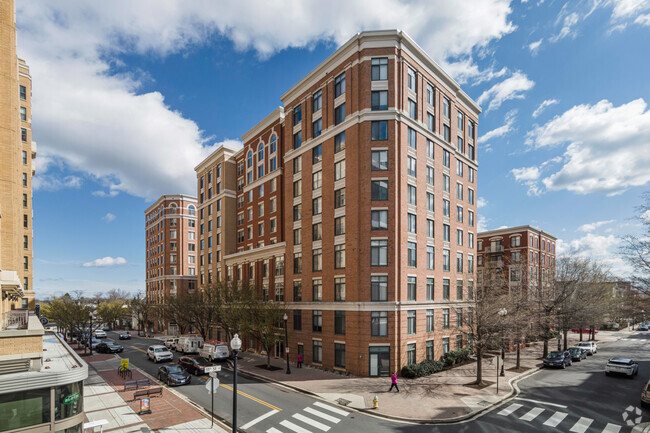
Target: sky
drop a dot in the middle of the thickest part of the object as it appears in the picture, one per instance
(128, 97)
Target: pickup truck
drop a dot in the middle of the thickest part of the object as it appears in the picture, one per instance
(624, 366)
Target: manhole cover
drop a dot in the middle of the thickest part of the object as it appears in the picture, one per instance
(343, 401)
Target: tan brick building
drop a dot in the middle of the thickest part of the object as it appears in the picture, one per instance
(356, 206)
(171, 251)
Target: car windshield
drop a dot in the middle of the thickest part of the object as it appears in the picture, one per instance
(574, 350)
(555, 355)
(619, 362)
(174, 369)
(160, 349)
(201, 360)
(110, 343)
(584, 344)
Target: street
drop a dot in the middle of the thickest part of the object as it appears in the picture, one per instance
(578, 399)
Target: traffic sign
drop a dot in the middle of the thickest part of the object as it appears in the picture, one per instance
(212, 385)
(212, 368)
(125, 363)
(213, 374)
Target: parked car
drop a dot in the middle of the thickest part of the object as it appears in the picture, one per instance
(93, 343)
(584, 331)
(642, 328)
(624, 366)
(645, 395)
(100, 334)
(591, 347)
(106, 328)
(577, 353)
(189, 344)
(170, 343)
(557, 359)
(173, 375)
(215, 351)
(158, 352)
(109, 347)
(125, 335)
(195, 364)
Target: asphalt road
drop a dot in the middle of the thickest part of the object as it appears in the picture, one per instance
(578, 399)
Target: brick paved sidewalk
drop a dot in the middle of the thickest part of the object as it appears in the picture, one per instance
(440, 396)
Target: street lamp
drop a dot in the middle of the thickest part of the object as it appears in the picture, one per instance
(286, 341)
(90, 333)
(503, 312)
(559, 345)
(235, 344)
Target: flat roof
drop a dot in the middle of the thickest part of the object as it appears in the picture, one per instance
(506, 230)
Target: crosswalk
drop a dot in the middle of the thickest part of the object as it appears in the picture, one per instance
(319, 417)
(553, 418)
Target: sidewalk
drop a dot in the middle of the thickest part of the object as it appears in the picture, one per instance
(105, 400)
(439, 397)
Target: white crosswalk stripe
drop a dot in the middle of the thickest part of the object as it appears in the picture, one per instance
(582, 425)
(320, 414)
(532, 414)
(612, 428)
(510, 409)
(298, 420)
(555, 419)
(311, 422)
(331, 409)
(273, 430)
(291, 426)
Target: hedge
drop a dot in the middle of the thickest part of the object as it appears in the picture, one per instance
(427, 367)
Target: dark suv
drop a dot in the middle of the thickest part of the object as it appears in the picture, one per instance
(558, 359)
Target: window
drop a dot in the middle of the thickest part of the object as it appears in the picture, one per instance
(339, 352)
(297, 320)
(470, 196)
(339, 322)
(460, 147)
(411, 288)
(459, 262)
(317, 232)
(430, 289)
(339, 256)
(379, 160)
(339, 114)
(445, 107)
(445, 318)
(460, 121)
(23, 114)
(411, 223)
(297, 212)
(430, 175)
(317, 128)
(430, 123)
(317, 290)
(25, 263)
(379, 100)
(459, 237)
(459, 290)
(378, 288)
(339, 142)
(317, 320)
(430, 149)
(297, 188)
(339, 226)
(23, 93)
(379, 220)
(430, 202)
(446, 158)
(470, 264)
(470, 129)
(446, 133)
(379, 323)
(446, 233)
(339, 170)
(411, 166)
(445, 183)
(317, 206)
(297, 263)
(470, 218)
(430, 228)
(470, 316)
(339, 289)
(430, 257)
(316, 180)
(339, 198)
(339, 85)
(297, 291)
(429, 350)
(297, 115)
(411, 193)
(297, 139)
(317, 101)
(412, 138)
(410, 322)
(24, 157)
(317, 259)
(297, 165)
(379, 130)
(23, 134)
(24, 179)
(430, 94)
(470, 152)
(297, 236)
(515, 241)
(412, 255)
(411, 80)
(379, 190)
(413, 109)
(318, 351)
(459, 318)
(429, 321)
(379, 252)
(445, 260)
(459, 341)
(379, 69)
(459, 214)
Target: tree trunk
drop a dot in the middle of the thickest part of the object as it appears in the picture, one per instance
(518, 365)
(268, 359)
(479, 366)
(545, 352)
(581, 333)
(566, 339)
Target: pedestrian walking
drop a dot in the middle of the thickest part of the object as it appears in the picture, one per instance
(299, 361)
(393, 380)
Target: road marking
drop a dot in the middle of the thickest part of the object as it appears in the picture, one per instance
(259, 418)
(255, 399)
(555, 419)
(542, 402)
(612, 428)
(292, 426)
(331, 409)
(318, 413)
(510, 409)
(273, 430)
(582, 425)
(137, 348)
(532, 414)
(311, 422)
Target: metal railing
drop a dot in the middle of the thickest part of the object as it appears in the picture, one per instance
(494, 249)
(15, 319)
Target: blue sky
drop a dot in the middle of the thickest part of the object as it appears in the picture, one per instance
(129, 96)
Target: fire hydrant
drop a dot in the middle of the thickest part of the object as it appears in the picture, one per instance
(375, 403)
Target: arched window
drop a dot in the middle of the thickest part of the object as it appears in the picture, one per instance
(191, 210)
(249, 163)
(260, 153)
(172, 208)
(273, 144)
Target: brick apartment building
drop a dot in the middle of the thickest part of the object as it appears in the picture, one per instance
(526, 253)
(171, 251)
(355, 204)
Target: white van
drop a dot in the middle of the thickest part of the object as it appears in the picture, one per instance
(171, 343)
(190, 344)
(215, 351)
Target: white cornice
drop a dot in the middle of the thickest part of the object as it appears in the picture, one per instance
(265, 252)
(223, 152)
(171, 197)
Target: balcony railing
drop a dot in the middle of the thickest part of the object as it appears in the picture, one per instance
(494, 249)
(15, 319)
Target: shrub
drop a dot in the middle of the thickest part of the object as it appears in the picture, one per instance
(424, 368)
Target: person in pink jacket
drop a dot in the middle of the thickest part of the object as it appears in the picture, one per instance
(299, 361)
(393, 380)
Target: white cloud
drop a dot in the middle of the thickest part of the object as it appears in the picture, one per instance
(481, 202)
(588, 228)
(645, 216)
(569, 22)
(534, 46)
(101, 193)
(109, 217)
(596, 247)
(643, 20)
(625, 9)
(103, 124)
(105, 262)
(529, 176)
(608, 147)
(502, 130)
(481, 223)
(52, 183)
(543, 106)
(510, 88)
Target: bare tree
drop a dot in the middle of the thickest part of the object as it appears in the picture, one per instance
(267, 325)
(636, 249)
(142, 310)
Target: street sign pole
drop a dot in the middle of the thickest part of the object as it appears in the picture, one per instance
(212, 407)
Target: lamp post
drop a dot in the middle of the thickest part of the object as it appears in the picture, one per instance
(503, 312)
(286, 341)
(90, 333)
(235, 344)
(559, 345)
